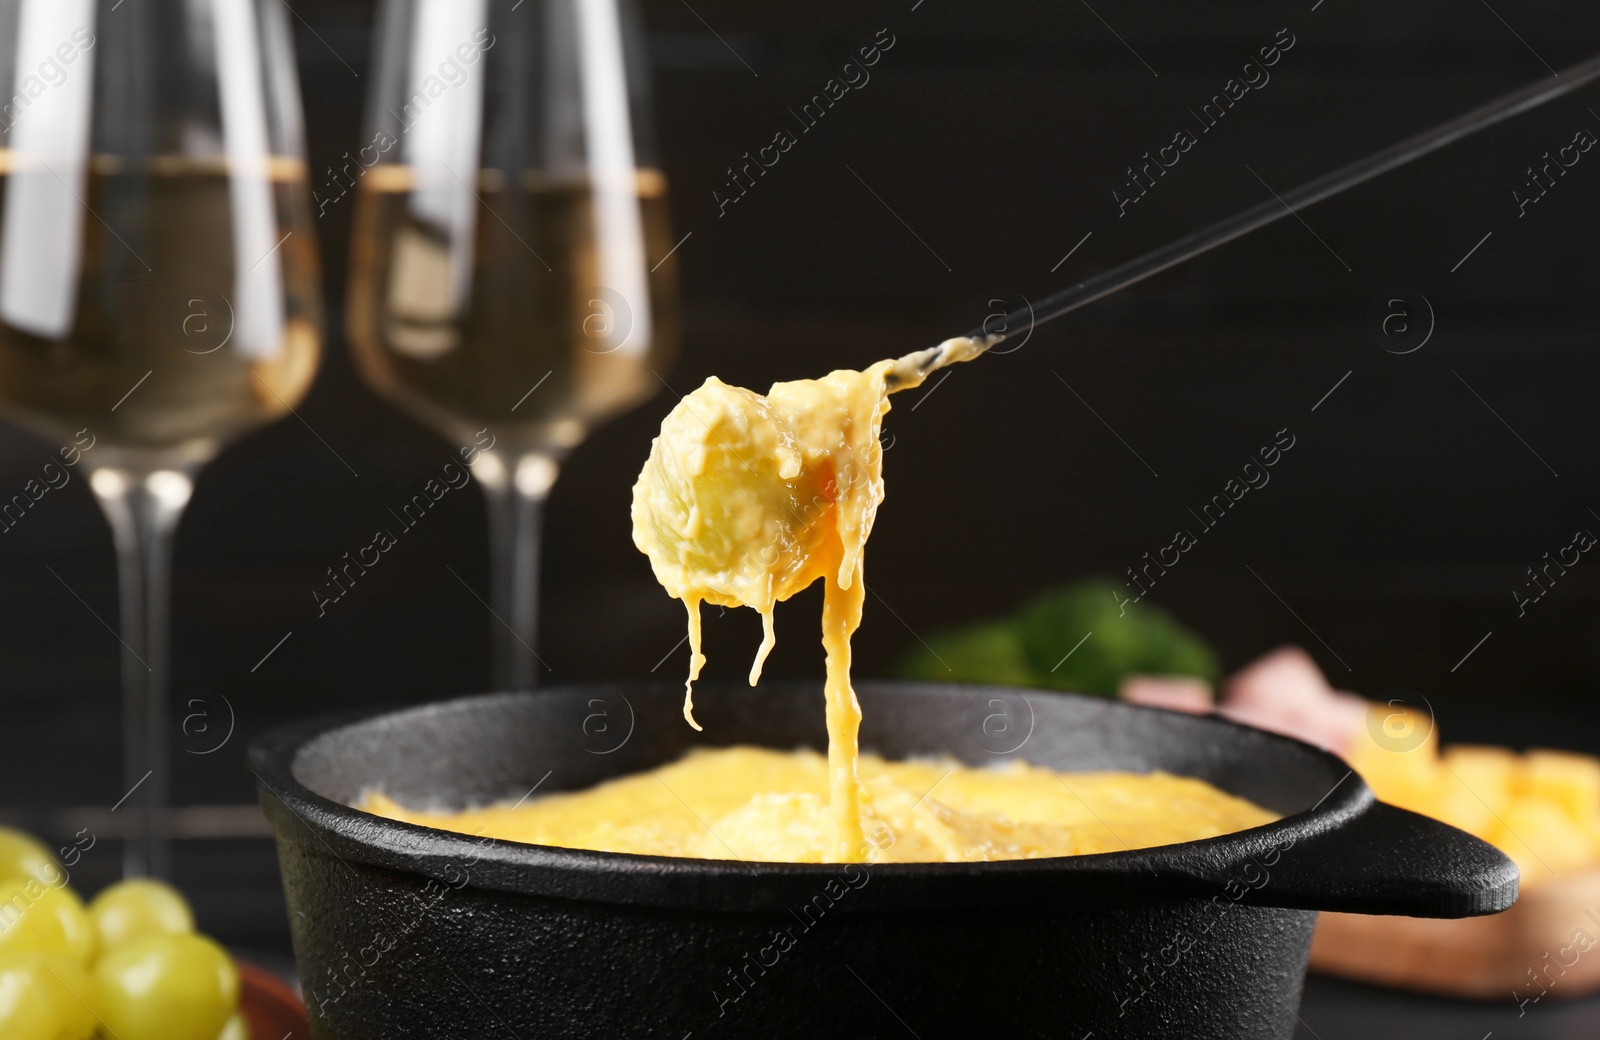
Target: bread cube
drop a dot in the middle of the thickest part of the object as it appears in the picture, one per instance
(1569, 779)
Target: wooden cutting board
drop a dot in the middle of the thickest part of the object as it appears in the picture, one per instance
(1546, 947)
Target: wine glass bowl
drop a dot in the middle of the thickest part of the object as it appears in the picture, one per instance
(153, 358)
(512, 281)
(154, 227)
(534, 309)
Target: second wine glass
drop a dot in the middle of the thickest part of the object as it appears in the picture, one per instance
(511, 277)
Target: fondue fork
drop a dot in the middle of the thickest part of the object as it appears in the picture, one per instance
(911, 370)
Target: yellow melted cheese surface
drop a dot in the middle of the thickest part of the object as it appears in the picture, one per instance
(758, 804)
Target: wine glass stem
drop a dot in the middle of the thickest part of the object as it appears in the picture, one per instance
(143, 510)
(517, 489)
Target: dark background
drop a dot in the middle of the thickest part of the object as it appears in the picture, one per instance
(1415, 497)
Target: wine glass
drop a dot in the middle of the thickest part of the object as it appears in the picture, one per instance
(158, 283)
(511, 275)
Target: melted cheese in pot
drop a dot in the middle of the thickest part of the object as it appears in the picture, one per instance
(759, 804)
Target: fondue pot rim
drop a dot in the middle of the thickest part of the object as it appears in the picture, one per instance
(1194, 868)
(1347, 798)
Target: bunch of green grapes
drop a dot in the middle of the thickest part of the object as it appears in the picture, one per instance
(128, 965)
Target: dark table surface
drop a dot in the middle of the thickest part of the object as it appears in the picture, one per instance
(1337, 1010)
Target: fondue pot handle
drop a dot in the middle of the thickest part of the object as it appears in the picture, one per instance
(1380, 860)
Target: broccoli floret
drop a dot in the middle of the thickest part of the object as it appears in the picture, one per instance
(1040, 645)
(990, 654)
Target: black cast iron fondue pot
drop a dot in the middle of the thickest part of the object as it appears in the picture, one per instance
(405, 931)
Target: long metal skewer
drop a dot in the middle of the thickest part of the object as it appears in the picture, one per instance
(912, 369)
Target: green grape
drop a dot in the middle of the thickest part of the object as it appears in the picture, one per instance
(24, 856)
(44, 996)
(166, 987)
(35, 918)
(130, 910)
(236, 1029)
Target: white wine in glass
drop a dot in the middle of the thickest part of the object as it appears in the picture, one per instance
(158, 283)
(511, 269)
